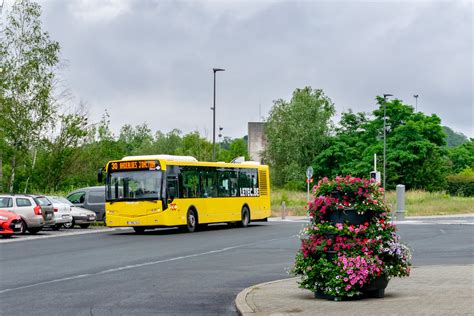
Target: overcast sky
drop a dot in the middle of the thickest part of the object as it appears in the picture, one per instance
(151, 60)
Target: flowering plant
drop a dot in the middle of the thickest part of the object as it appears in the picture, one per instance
(339, 259)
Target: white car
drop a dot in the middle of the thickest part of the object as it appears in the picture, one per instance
(80, 216)
(62, 213)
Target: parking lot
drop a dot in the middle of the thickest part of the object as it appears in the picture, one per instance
(49, 233)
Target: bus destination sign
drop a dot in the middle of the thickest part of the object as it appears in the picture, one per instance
(135, 165)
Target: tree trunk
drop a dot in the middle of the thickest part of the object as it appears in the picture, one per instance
(12, 177)
(32, 170)
(1, 173)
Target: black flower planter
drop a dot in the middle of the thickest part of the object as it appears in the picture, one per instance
(350, 216)
(376, 288)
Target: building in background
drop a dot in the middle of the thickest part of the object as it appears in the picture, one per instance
(257, 140)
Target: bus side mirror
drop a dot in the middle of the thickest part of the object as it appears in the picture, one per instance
(99, 175)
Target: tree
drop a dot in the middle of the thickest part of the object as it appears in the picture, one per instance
(57, 159)
(415, 154)
(297, 131)
(462, 156)
(27, 58)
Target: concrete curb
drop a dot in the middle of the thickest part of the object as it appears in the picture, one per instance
(243, 307)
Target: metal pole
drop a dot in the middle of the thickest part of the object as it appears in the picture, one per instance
(214, 121)
(214, 116)
(416, 102)
(307, 197)
(384, 143)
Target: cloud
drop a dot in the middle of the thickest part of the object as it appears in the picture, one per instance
(152, 60)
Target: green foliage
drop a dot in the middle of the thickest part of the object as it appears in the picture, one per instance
(462, 156)
(461, 184)
(415, 156)
(28, 58)
(296, 132)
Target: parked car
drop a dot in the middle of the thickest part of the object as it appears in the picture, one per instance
(10, 223)
(35, 210)
(91, 198)
(80, 216)
(62, 213)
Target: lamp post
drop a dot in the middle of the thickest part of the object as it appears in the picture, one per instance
(416, 102)
(384, 142)
(214, 116)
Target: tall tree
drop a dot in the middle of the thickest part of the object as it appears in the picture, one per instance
(296, 132)
(415, 154)
(28, 58)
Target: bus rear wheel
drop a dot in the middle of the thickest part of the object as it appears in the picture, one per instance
(244, 222)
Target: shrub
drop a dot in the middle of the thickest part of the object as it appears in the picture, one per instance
(461, 184)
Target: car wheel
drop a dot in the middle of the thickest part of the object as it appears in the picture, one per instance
(69, 225)
(244, 222)
(34, 230)
(139, 230)
(22, 228)
(84, 225)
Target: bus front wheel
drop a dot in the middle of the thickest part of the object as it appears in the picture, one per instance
(191, 221)
(244, 222)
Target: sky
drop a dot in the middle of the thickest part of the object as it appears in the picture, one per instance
(151, 60)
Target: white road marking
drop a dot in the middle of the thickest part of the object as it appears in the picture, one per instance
(134, 266)
(85, 232)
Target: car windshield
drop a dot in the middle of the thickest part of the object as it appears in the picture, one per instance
(58, 199)
(134, 185)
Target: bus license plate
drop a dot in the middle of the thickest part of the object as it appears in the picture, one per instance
(133, 223)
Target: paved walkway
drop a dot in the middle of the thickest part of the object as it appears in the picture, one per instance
(430, 290)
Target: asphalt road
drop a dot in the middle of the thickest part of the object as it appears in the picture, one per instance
(166, 272)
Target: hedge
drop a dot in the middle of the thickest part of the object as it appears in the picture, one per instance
(461, 185)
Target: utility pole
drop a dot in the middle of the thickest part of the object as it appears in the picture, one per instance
(416, 102)
(384, 142)
(214, 116)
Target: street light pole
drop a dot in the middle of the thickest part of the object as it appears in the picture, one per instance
(416, 102)
(384, 142)
(214, 116)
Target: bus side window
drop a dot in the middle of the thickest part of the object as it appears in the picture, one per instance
(190, 187)
(172, 186)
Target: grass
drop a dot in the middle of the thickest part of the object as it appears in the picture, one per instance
(417, 203)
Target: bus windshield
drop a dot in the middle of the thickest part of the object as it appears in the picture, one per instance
(134, 185)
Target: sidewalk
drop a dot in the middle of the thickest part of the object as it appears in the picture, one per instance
(430, 290)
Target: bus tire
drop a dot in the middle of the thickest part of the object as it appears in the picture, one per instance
(245, 219)
(191, 221)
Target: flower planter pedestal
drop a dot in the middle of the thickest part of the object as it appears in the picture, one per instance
(350, 216)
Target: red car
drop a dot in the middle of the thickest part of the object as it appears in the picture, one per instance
(10, 223)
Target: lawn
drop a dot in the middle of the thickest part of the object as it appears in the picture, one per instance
(417, 203)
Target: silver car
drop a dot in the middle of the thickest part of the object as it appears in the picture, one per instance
(80, 216)
(35, 210)
(62, 213)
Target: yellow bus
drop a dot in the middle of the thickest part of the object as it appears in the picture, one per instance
(146, 192)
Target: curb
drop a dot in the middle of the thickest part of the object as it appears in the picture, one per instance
(243, 307)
